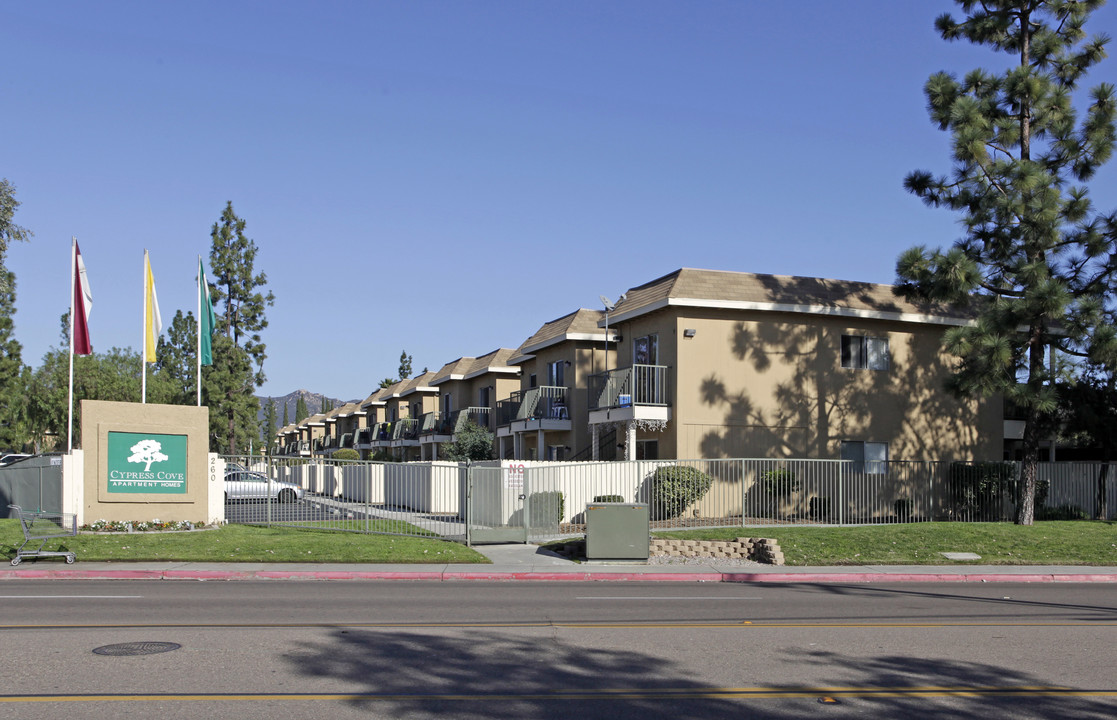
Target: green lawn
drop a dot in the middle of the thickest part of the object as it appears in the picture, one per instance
(1044, 543)
(245, 543)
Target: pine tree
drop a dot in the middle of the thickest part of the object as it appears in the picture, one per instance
(238, 353)
(1037, 261)
(13, 398)
(301, 411)
(404, 365)
(176, 358)
(269, 424)
(286, 420)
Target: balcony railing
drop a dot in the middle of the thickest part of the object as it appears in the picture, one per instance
(365, 436)
(405, 429)
(437, 423)
(346, 440)
(478, 415)
(547, 402)
(635, 385)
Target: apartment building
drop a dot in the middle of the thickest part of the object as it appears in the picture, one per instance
(468, 389)
(704, 364)
(724, 364)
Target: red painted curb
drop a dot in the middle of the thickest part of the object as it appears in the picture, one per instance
(342, 575)
(67, 573)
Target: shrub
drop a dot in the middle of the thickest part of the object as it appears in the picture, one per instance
(819, 508)
(347, 454)
(471, 442)
(675, 488)
(546, 504)
(1062, 512)
(978, 490)
(608, 498)
(779, 483)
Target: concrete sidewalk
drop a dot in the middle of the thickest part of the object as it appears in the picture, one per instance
(529, 562)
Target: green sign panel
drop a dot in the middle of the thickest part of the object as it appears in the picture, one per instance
(147, 463)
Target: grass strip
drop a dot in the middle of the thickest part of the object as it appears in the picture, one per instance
(247, 543)
(1044, 543)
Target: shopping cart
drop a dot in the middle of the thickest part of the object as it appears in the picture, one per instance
(43, 526)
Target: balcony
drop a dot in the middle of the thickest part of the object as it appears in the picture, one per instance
(538, 408)
(404, 432)
(639, 392)
(481, 416)
(365, 437)
(436, 427)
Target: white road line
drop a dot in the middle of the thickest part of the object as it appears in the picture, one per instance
(66, 597)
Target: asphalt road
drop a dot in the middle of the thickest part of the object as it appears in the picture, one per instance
(554, 650)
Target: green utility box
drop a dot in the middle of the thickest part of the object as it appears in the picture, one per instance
(617, 531)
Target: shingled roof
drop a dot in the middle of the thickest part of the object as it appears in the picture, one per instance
(781, 293)
(582, 324)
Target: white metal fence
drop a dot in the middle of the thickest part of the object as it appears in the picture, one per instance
(451, 500)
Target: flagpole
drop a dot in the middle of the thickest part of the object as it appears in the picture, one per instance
(199, 346)
(73, 291)
(143, 340)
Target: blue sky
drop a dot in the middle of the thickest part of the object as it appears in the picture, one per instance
(447, 176)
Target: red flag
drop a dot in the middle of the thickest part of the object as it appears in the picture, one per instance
(83, 303)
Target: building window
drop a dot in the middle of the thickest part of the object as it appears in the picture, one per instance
(484, 396)
(555, 374)
(531, 382)
(447, 403)
(864, 353)
(645, 350)
(870, 458)
(647, 449)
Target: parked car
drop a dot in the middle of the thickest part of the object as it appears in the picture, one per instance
(13, 457)
(248, 485)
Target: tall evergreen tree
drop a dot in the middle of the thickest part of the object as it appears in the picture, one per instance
(269, 424)
(176, 358)
(239, 353)
(404, 365)
(1036, 260)
(13, 398)
(301, 411)
(286, 417)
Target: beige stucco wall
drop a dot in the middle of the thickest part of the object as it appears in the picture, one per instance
(100, 417)
(762, 384)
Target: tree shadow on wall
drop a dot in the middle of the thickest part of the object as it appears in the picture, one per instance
(811, 398)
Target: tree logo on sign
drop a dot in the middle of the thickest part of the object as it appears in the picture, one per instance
(147, 451)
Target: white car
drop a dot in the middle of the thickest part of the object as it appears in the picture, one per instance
(247, 485)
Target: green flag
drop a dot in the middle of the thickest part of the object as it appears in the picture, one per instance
(206, 319)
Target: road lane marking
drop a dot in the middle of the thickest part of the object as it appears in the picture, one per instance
(674, 625)
(67, 597)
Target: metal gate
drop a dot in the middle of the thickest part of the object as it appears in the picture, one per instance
(495, 505)
(474, 503)
(34, 483)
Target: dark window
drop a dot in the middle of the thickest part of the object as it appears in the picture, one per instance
(864, 353)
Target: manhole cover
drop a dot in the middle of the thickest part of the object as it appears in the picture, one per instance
(136, 648)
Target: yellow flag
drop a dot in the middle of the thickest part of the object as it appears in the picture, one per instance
(153, 324)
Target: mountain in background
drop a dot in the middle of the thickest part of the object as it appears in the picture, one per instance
(290, 400)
